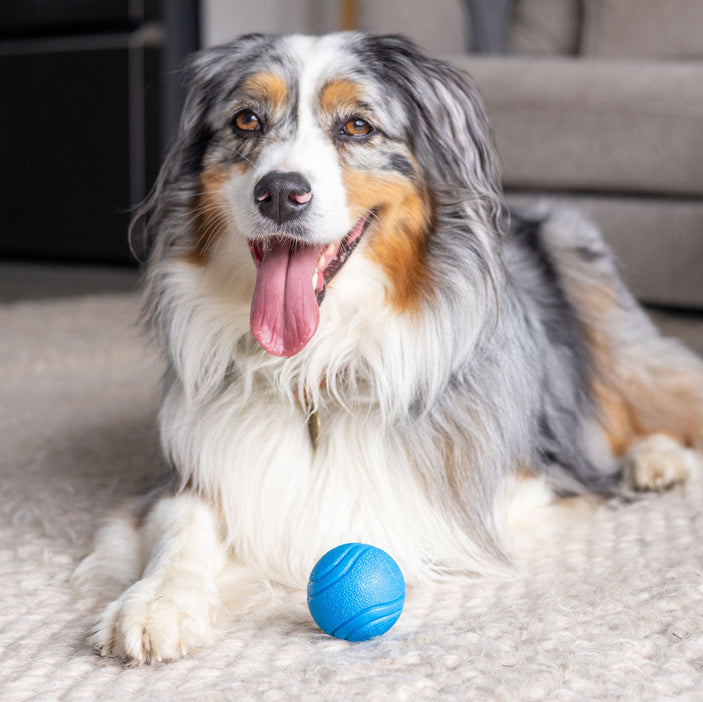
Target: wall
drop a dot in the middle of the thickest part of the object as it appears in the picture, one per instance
(224, 19)
(439, 25)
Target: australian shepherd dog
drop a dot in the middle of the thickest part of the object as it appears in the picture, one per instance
(364, 344)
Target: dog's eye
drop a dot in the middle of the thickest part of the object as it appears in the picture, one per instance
(356, 127)
(246, 121)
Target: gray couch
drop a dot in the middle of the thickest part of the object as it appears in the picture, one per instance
(600, 103)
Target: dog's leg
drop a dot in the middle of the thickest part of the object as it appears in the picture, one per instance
(647, 390)
(650, 402)
(115, 561)
(174, 607)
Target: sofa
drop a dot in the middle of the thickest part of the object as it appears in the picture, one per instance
(599, 103)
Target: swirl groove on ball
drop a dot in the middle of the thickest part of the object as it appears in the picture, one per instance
(356, 592)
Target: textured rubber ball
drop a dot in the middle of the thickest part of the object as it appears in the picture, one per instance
(356, 592)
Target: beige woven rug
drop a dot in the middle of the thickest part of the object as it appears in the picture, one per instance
(611, 610)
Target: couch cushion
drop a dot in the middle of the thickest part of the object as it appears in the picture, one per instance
(658, 242)
(595, 125)
(643, 28)
(545, 27)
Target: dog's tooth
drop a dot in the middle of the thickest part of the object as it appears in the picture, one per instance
(321, 261)
(314, 280)
(331, 250)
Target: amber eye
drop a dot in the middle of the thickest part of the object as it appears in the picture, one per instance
(357, 127)
(246, 121)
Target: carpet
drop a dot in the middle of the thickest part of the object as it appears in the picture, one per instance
(611, 609)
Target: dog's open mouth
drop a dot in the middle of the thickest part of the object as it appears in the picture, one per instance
(290, 283)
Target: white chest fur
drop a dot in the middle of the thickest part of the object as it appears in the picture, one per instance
(284, 504)
(242, 440)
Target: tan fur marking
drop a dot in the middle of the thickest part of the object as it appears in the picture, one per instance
(635, 398)
(397, 239)
(210, 214)
(339, 96)
(664, 405)
(267, 87)
(617, 416)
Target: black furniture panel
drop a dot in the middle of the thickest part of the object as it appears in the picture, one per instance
(82, 122)
(65, 136)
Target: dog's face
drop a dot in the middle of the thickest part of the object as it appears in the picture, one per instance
(311, 160)
(313, 152)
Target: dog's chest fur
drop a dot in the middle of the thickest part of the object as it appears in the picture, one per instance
(234, 423)
(283, 500)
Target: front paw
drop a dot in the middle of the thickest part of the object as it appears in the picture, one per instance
(158, 620)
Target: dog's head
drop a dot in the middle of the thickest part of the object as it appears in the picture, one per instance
(312, 152)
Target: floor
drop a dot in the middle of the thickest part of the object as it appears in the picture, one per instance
(36, 281)
(32, 281)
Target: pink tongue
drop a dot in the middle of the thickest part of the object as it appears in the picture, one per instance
(284, 311)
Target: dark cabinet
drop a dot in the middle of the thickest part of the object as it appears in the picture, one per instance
(83, 120)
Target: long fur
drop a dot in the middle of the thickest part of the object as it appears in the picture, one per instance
(504, 359)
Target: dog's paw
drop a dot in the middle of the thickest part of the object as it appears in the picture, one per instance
(156, 621)
(658, 462)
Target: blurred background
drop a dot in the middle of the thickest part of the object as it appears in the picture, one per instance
(595, 102)
(91, 97)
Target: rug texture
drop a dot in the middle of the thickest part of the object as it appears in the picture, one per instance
(612, 608)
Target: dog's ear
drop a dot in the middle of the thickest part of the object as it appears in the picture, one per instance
(447, 126)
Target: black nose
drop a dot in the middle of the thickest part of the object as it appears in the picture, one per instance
(282, 196)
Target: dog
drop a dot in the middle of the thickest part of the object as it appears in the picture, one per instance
(364, 344)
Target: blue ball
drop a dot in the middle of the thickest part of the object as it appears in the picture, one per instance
(356, 592)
